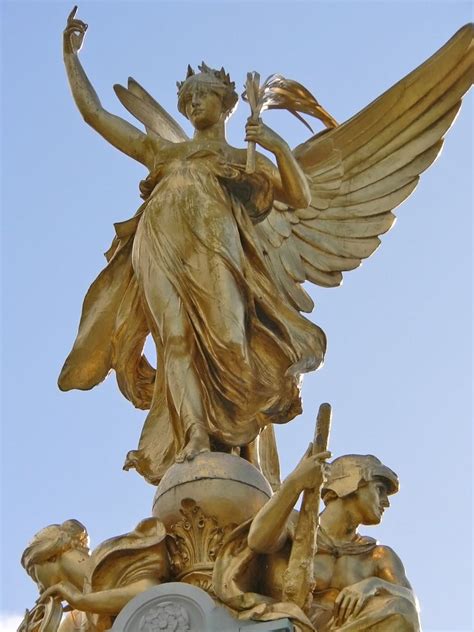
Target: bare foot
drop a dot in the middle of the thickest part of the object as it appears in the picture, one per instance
(198, 442)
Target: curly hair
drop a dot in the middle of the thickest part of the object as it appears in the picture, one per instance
(216, 80)
(52, 541)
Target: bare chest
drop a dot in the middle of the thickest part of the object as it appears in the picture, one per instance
(337, 572)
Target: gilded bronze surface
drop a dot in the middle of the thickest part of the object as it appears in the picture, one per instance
(96, 586)
(355, 582)
(212, 263)
(358, 584)
(212, 266)
(221, 484)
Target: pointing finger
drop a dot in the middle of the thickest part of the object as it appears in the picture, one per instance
(71, 16)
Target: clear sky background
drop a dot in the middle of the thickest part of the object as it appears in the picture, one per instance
(398, 369)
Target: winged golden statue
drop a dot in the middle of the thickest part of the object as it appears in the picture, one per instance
(213, 262)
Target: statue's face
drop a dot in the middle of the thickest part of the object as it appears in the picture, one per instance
(75, 564)
(203, 106)
(71, 565)
(47, 574)
(372, 500)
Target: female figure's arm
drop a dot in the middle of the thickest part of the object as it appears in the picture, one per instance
(104, 602)
(289, 182)
(115, 130)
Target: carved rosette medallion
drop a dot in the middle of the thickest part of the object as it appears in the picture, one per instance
(194, 544)
(166, 617)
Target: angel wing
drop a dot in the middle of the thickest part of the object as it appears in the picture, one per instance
(149, 112)
(362, 170)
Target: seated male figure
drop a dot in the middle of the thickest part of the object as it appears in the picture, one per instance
(360, 585)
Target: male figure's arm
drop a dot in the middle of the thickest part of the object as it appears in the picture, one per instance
(270, 527)
(389, 579)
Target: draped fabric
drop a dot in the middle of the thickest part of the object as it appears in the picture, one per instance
(124, 560)
(230, 349)
(384, 613)
(239, 573)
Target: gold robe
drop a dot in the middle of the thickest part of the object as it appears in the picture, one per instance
(230, 349)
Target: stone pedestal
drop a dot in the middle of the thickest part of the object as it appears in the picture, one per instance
(178, 607)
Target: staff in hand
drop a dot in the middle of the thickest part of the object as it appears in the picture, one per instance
(279, 93)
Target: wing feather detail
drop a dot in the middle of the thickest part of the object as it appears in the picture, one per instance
(324, 260)
(154, 117)
(363, 209)
(292, 261)
(324, 279)
(358, 248)
(361, 171)
(286, 267)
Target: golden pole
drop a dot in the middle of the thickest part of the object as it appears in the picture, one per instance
(298, 577)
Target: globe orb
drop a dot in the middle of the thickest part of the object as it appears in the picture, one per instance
(224, 486)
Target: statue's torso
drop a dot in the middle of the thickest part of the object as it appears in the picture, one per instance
(332, 573)
(166, 152)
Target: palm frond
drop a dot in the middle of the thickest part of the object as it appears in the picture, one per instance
(280, 93)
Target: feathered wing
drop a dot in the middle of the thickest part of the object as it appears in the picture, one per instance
(363, 169)
(149, 112)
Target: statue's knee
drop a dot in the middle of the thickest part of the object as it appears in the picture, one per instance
(402, 622)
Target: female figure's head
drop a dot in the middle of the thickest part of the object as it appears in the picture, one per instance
(58, 552)
(207, 97)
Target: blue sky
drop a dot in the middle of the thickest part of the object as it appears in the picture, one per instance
(398, 371)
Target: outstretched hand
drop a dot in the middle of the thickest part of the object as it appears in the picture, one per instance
(64, 591)
(74, 33)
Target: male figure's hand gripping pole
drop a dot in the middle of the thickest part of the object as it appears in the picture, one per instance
(298, 578)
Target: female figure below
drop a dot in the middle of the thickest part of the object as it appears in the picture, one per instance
(97, 585)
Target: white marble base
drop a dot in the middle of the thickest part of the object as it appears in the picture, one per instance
(179, 607)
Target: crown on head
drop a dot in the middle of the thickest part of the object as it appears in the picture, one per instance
(220, 75)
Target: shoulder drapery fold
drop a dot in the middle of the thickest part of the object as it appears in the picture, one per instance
(113, 327)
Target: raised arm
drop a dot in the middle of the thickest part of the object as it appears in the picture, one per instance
(289, 181)
(269, 530)
(115, 130)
